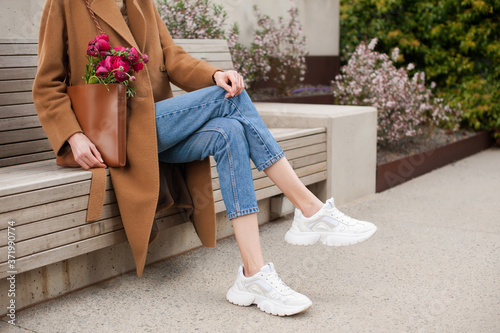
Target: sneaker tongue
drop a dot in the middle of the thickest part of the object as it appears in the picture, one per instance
(267, 268)
(330, 203)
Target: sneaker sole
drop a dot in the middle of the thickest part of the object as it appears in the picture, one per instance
(243, 298)
(329, 239)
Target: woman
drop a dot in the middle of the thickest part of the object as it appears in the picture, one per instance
(217, 119)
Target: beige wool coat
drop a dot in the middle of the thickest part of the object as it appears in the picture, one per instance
(142, 186)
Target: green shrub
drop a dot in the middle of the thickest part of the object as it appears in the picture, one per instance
(455, 42)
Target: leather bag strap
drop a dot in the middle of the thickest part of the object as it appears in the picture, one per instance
(96, 195)
(98, 26)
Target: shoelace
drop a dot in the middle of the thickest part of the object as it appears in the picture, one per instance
(275, 281)
(338, 215)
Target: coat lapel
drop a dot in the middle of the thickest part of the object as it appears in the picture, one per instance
(137, 23)
(108, 11)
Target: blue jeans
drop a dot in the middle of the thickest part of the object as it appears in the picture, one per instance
(201, 123)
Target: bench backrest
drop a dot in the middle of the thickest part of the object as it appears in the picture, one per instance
(22, 139)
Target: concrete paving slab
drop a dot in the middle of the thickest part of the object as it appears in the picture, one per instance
(433, 266)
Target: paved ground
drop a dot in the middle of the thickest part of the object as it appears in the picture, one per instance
(433, 266)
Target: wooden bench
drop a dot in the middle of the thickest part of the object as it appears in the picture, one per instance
(48, 203)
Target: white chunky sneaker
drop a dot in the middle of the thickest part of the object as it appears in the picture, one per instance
(267, 291)
(330, 226)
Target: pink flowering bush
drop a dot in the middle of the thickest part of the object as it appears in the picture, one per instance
(278, 50)
(282, 47)
(405, 105)
(196, 19)
(252, 63)
(112, 65)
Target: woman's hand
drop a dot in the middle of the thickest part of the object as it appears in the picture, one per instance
(85, 152)
(231, 81)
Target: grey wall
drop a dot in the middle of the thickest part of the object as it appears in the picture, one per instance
(320, 19)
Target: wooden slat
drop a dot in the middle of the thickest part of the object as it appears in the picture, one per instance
(18, 61)
(170, 221)
(27, 199)
(51, 210)
(167, 212)
(208, 45)
(225, 65)
(18, 40)
(38, 225)
(58, 223)
(64, 237)
(38, 175)
(9, 124)
(16, 98)
(46, 195)
(15, 86)
(17, 73)
(18, 160)
(21, 148)
(77, 248)
(266, 182)
(309, 150)
(295, 163)
(303, 141)
(282, 134)
(295, 143)
(65, 252)
(211, 57)
(18, 49)
(28, 134)
(274, 190)
(60, 237)
(21, 110)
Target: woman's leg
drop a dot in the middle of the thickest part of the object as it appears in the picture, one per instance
(224, 139)
(282, 174)
(246, 231)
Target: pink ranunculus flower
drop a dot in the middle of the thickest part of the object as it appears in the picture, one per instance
(103, 36)
(114, 63)
(145, 58)
(92, 51)
(133, 56)
(102, 46)
(117, 62)
(120, 49)
(138, 66)
(102, 71)
(120, 76)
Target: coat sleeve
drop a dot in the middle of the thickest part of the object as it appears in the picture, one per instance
(185, 71)
(52, 104)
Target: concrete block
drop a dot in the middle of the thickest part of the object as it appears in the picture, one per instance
(351, 142)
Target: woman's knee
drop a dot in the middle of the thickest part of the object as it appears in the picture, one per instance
(231, 135)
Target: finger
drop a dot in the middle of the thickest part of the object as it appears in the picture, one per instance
(238, 85)
(96, 153)
(98, 156)
(82, 163)
(224, 85)
(91, 160)
(241, 84)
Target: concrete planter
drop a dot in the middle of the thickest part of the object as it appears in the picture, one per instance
(313, 99)
(396, 172)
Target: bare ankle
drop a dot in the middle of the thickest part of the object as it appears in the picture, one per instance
(251, 270)
(312, 209)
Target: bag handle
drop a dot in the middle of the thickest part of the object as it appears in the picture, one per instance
(98, 26)
(93, 16)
